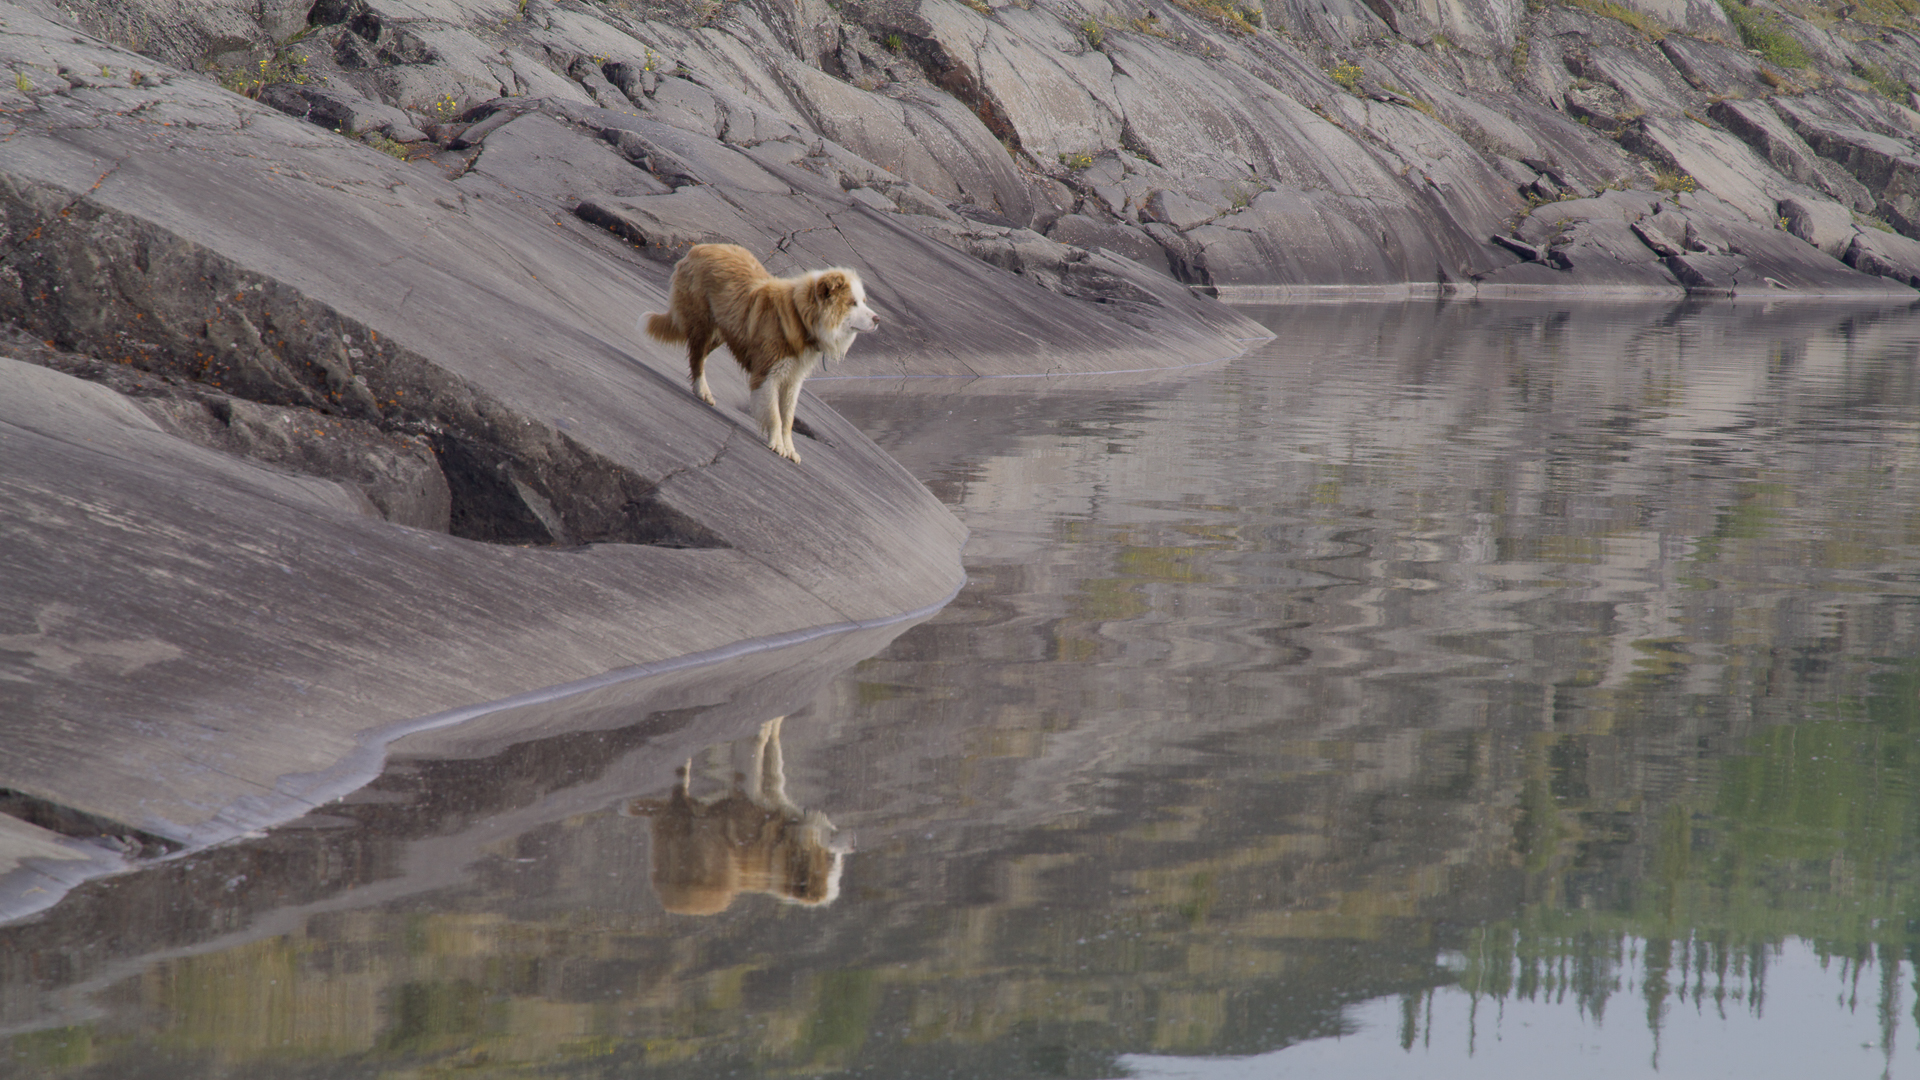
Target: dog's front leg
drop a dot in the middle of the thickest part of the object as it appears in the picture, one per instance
(766, 412)
(789, 400)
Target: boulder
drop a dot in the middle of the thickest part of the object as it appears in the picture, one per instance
(1710, 66)
(1700, 17)
(340, 110)
(1078, 230)
(1175, 209)
(1887, 255)
(1763, 129)
(1826, 225)
(1717, 161)
(1889, 167)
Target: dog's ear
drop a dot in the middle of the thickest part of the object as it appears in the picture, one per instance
(830, 285)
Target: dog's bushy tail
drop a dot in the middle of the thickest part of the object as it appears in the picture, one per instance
(662, 328)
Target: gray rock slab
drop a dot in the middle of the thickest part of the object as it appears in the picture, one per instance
(1708, 275)
(1082, 231)
(155, 666)
(37, 867)
(543, 158)
(335, 108)
(1698, 16)
(1763, 129)
(1826, 225)
(399, 476)
(1718, 161)
(1175, 209)
(187, 629)
(1317, 238)
(1776, 262)
(1644, 83)
(1886, 165)
(1887, 255)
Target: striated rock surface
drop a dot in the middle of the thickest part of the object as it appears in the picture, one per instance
(326, 409)
(1233, 147)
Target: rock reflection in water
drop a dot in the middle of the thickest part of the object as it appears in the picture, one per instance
(752, 839)
(1440, 681)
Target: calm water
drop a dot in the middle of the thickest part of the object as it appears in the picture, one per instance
(1454, 691)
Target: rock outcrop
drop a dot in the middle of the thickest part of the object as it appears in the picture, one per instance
(334, 413)
(1237, 148)
(1241, 149)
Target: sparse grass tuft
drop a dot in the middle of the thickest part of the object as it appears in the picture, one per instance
(1347, 76)
(1763, 33)
(1235, 18)
(280, 67)
(386, 145)
(1897, 14)
(1883, 81)
(893, 43)
(1673, 181)
(1646, 24)
(1076, 161)
(22, 83)
(1090, 29)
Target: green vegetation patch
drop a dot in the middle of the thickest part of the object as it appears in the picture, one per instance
(1883, 81)
(280, 68)
(1237, 18)
(1646, 24)
(1764, 33)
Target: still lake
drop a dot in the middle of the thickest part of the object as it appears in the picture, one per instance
(1443, 689)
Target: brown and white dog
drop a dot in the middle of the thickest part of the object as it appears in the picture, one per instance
(777, 328)
(752, 839)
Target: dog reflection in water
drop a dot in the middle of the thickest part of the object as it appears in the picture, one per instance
(752, 839)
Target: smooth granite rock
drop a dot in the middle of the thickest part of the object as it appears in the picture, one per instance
(199, 608)
(1888, 255)
(375, 433)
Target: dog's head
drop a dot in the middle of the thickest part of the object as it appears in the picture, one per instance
(841, 298)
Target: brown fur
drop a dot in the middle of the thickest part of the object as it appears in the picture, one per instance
(777, 328)
(750, 840)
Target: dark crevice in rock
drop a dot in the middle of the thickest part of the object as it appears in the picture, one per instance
(236, 359)
(950, 73)
(123, 839)
(1132, 143)
(331, 12)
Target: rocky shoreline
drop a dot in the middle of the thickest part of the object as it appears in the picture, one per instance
(1224, 144)
(324, 408)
